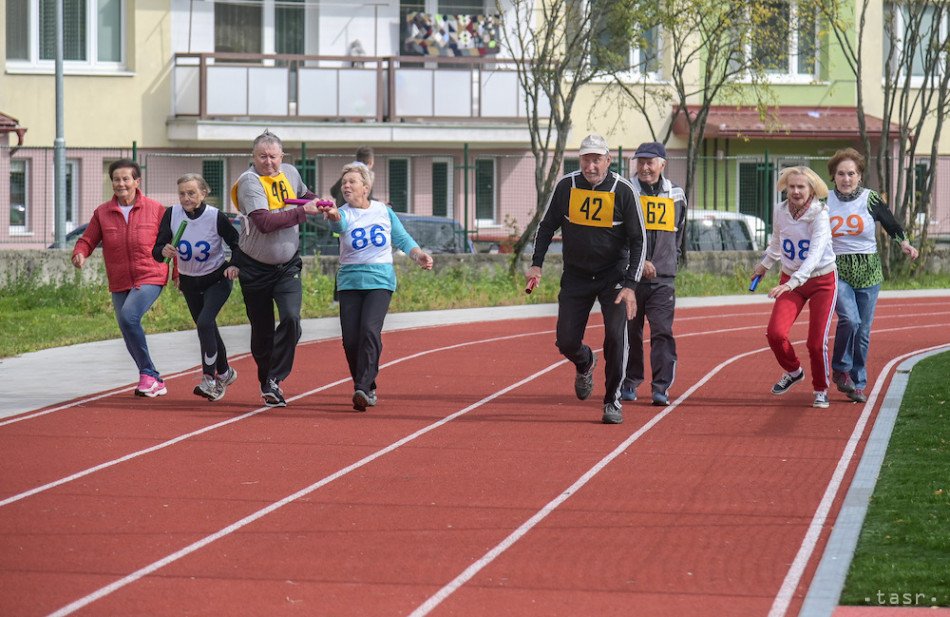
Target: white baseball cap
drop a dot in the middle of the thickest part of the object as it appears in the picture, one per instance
(594, 144)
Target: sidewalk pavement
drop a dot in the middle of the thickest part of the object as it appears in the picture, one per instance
(43, 378)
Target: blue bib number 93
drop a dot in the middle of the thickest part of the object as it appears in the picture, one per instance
(200, 252)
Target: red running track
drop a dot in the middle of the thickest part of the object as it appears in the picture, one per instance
(478, 486)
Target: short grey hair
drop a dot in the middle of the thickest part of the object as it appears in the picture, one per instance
(267, 138)
(193, 177)
(366, 174)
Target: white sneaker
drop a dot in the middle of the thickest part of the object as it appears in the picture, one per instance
(210, 388)
(821, 400)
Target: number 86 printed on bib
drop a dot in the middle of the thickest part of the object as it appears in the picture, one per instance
(360, 238)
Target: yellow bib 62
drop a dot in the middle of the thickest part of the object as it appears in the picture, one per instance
(591, 208)
(659, 213)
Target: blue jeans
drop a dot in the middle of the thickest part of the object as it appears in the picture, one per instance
(855, 308)
(129, 307)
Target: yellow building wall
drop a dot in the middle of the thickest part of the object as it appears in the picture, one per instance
(102, 110)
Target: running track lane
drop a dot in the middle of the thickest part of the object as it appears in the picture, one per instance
(691, 516)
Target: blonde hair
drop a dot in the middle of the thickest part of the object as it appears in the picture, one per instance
(366, 174)
(818, 187)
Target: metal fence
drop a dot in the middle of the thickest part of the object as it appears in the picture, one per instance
(492, 195)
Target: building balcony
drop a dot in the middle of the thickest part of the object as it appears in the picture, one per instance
(222, 96)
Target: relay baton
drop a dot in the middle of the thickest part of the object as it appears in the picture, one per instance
(323, 203)
(177, 239)
(532, 283)
(755, 282)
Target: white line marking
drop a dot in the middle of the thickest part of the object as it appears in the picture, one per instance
(191, 548)
(787, 591)
(180, 438)
(165, 444)
(426, 607)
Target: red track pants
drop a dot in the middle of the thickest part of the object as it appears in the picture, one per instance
(820, 293)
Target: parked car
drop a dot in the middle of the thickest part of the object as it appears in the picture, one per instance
(72, 236)
(717, 230)
(434, 234)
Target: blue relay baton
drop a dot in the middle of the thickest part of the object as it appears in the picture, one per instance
(755, 282)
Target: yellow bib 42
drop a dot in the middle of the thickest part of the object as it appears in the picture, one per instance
(591, 208)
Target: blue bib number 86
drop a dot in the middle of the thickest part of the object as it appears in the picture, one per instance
(200, 252)
(360, 240)
(788, 247)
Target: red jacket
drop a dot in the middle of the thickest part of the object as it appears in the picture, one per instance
(126, 247)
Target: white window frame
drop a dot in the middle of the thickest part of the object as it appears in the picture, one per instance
(92, 63)
(791, 74)
(450, 184)
(916, 81)
(24, 229)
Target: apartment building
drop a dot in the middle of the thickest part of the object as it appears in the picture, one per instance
(185, 85)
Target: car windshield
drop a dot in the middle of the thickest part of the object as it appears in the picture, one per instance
(433, 235)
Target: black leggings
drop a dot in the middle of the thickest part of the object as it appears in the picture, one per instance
(204, 307)
(362, 313)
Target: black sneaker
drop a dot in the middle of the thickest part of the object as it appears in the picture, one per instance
(613, 414)
(584, 381)
(843, 381)
(787, 381)
(272, 394)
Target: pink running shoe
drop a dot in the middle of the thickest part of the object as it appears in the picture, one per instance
(143, 384)
(150, 387)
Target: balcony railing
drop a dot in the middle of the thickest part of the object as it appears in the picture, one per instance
(230, 86)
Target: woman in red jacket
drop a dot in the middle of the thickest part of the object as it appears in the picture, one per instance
(127, 226)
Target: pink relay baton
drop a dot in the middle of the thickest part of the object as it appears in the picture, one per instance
(321, 203)
(532, 283)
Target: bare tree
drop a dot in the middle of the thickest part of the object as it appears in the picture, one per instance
(916, 97)
(716, 51)
(558, 47)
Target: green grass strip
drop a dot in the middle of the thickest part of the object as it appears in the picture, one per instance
(903, 554)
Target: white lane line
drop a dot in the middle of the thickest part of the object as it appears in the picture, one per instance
(793, 577)
(426, 607)
(165, 444)
(191, 548)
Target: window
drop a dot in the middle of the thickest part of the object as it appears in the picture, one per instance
(571, 164)
(399, 184)
(308, 172)
(213, 173)
(792, 48)
(93, 33)
(442, 188)
(238, 28)
(614, 53)
(485, 189)
(915, 27)
(19, 197)
(755, 186)
(72, 193)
